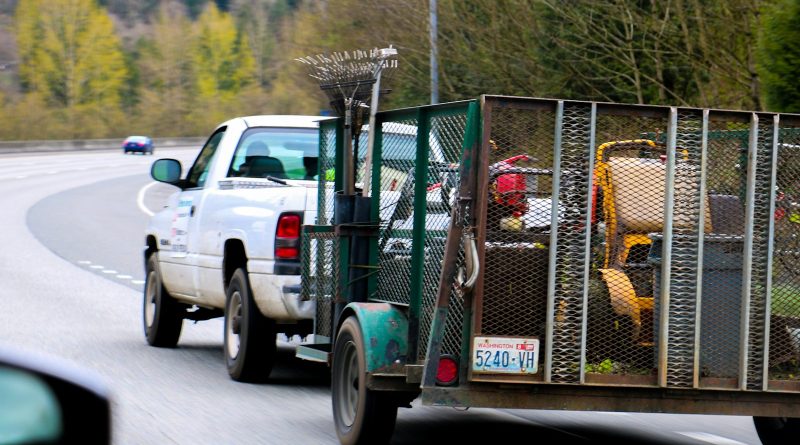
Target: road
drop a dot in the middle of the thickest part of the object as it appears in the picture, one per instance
(71, 274)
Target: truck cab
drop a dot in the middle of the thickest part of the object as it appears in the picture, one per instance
(227, 243)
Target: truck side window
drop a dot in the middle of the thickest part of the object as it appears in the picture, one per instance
(197, 174)
(284, 153)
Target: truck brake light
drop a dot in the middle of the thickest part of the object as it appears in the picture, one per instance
(287, 237)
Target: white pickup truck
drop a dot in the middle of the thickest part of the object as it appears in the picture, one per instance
(228, 242)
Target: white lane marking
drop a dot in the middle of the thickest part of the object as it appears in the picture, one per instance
(124, 277)
(96, 266)
(22, 176)
(140, 199)
(710, 438)
(110, 271)
(137, 281)
(52, 172)
(613, 413)
(84, 262)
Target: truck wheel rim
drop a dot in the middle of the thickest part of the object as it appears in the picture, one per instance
(150, 302)
(348, 385)
(234, 312)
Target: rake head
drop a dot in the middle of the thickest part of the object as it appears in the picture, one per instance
(347, 77)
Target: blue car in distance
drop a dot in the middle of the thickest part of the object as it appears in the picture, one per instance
(141, 144)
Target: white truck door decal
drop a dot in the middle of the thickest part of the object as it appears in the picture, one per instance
(180, 226)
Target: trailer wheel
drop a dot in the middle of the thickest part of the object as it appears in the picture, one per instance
(777, 430)
(161, 313)
(361, 415)
(250, 337)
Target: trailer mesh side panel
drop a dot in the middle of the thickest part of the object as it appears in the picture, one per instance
(397, 181)
(516, 247)
(319, 257)
(784, 338)
(447, 131)
(326, 173)
(629, 206)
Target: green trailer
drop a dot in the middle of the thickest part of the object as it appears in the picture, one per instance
(507, 257)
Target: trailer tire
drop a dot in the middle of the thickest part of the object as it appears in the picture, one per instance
(250, 337)
(362, 416)
(777, 430)
(161, 314)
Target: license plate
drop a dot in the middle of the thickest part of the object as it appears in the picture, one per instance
(505, 355)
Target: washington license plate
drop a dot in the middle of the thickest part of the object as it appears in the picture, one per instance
(505, 355)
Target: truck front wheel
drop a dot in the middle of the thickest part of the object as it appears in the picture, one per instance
(777, 430)
(250, 337)
(361, 415)
(161, 313)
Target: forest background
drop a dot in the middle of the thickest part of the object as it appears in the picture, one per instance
(77, 69)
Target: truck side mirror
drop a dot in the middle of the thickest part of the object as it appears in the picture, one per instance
(166, 170)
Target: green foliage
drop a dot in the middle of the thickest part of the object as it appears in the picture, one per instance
(71, 56)
(223, 63)
(779, 56)
(182, 66)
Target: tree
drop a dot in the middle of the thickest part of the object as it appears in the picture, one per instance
(71, 56)
(779, 56)
(167, 78)
(223, 65)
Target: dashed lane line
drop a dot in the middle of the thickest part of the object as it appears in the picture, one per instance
(109, 271)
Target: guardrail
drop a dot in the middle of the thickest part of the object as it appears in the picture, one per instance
(7, 147)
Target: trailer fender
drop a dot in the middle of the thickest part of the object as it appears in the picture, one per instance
(385, 331)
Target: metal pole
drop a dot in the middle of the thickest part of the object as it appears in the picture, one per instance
(666, 251)
(551, 276)
(434, 52)
(373, 109)
(770, 249)
(588, 243)
(347, 174)
(698, 316)
(747, 267)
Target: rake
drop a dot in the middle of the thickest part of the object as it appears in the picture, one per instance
(351, 80)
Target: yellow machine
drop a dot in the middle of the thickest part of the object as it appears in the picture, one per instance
(630, 181)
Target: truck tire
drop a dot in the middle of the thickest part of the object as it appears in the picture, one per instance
(361, 415)
(777, 430)
(162, 314)
(250, 337)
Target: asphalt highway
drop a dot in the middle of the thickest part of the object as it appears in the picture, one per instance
(71, 275)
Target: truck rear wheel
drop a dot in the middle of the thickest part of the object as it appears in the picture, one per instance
(161, 313)
(361, 415)
(250, 337)
(777, 430)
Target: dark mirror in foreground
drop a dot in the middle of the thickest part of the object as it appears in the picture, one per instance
(44, 401)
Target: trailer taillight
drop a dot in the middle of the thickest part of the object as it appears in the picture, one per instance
(287, 237)
(447, 373)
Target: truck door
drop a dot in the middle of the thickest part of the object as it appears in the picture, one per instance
(178, 268)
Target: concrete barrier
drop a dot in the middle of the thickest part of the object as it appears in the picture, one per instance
(91, 144)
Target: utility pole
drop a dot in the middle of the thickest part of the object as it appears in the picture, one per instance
(434, 53)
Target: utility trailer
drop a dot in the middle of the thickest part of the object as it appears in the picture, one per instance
(551, 254)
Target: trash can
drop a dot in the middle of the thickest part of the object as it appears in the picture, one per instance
(721, 302)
